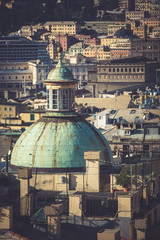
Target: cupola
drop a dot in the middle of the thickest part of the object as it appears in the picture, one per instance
(60, 86)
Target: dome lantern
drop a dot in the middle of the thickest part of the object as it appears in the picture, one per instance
(60, 86)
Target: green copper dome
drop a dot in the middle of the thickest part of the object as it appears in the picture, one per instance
(58, 143)
(60, 74)
(58, 140)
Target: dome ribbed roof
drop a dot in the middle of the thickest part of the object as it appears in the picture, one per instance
(60, 74)
(59, 142)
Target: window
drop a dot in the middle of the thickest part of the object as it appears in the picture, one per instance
(32, 117)
(55, 99)
(10, 109)
(47, 91)
(120, 119)
(72, 97)
(147, 131)
(127, 132)
(5, 108)
(113, 111)
(65, 99)
(132, 111)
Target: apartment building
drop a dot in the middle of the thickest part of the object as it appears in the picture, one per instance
(120, 49)
(126, 4)
(114, 27)
(151, 23)
(66, 27)
(88, 39)
(155, 33)
(150, 6)
(65, 41)
(149, 48)
(77, 48)
(10, 110)
(20, 49)
(107, 41)
(139, 31)
(142, 5)
(134, 15)
(52, 49)
(14, 82)
(18, 78)
(96, 51)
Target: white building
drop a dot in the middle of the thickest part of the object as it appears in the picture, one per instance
(79, 65)
(39, 71)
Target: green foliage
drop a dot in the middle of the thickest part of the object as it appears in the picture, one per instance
(123, 179)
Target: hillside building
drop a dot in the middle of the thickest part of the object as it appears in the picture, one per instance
(66, 27)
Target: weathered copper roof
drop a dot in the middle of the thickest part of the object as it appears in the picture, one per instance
(60, 74)
(59, 142)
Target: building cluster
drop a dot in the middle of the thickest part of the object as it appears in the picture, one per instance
(63, 177)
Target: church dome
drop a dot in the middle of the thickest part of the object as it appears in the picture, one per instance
(58, 142)
(59, 139)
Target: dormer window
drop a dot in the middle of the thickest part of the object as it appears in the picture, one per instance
(113, 111)
(132, 111)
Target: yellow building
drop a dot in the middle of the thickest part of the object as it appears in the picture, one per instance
(150, 6)
(10, 110)
(112, 28)
(52, 50)
(106, 41)
(31, 116)
(142, 5)
(96, 51)
(66, 27)
(151, 22)
(139, 31)
(134, 15)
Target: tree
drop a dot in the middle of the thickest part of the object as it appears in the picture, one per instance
(123, 179)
